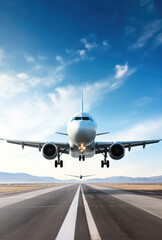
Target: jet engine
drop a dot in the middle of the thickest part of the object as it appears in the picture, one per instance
(116, 151)
(49, 151)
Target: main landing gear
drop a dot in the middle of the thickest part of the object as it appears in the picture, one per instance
(59, 162)
(105, 162)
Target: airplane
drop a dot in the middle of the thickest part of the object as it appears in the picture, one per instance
(79, 176)
(82, 131)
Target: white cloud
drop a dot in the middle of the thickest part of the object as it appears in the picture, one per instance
(143, 101)
(29, 58)
(13, 83)
(10, 85)
(105, 45)
(81, 52)
(59, 59)
(150, 129)
(92, 93)
(121, 70)
(148, 32)
(88, 45)
(22, 75)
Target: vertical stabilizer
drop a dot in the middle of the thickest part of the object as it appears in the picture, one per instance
(82, 100)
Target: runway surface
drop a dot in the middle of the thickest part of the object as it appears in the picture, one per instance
(80, 212)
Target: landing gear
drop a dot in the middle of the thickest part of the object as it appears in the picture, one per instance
(58, 162)
(105, 162)
(82, 157)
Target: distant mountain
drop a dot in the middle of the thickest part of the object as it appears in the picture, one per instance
(25, 178)
(122, 179)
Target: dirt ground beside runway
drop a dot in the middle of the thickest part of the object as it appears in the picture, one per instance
(8, 188)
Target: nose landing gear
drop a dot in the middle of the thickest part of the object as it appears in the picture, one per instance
(82, 157)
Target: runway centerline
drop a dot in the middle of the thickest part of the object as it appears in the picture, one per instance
(67, 230)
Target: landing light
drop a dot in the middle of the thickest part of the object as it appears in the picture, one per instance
(82, 147)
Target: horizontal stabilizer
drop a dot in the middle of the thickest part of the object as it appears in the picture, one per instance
(98, 134)
(61, 133)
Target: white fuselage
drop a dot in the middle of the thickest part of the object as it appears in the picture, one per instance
(82, 132)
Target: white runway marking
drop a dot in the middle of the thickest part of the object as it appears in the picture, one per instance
(91, 224)
(6, 201)
(67, 230)
(146, 203)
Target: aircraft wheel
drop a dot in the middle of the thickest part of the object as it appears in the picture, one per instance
(61, 163)
(102, 163)
(107, 164)
(80, 157)
(56, 163)
(83, 158)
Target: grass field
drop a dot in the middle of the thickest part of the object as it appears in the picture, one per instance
(6, 188)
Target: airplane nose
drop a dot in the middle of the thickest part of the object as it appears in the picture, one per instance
(85, 136)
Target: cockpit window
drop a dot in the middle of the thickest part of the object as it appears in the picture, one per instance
(85, 118)
(81, 118)
(77, 118)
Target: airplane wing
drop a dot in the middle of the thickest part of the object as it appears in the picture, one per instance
(63, 147)
(100, 146)
(72, 175)
(79, 176)
(86, 176)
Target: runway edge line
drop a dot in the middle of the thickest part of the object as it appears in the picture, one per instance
(91, 223)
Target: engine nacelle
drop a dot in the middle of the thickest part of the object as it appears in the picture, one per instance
(49, 151)
(116, 151)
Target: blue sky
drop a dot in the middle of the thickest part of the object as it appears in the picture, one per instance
(50, 50)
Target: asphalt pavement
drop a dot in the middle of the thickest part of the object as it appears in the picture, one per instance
(89, 211)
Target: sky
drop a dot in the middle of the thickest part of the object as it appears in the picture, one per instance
(51, 50)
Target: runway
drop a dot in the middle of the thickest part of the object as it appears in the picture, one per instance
(80, 212)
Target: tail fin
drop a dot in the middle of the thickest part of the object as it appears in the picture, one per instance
(82, 100)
